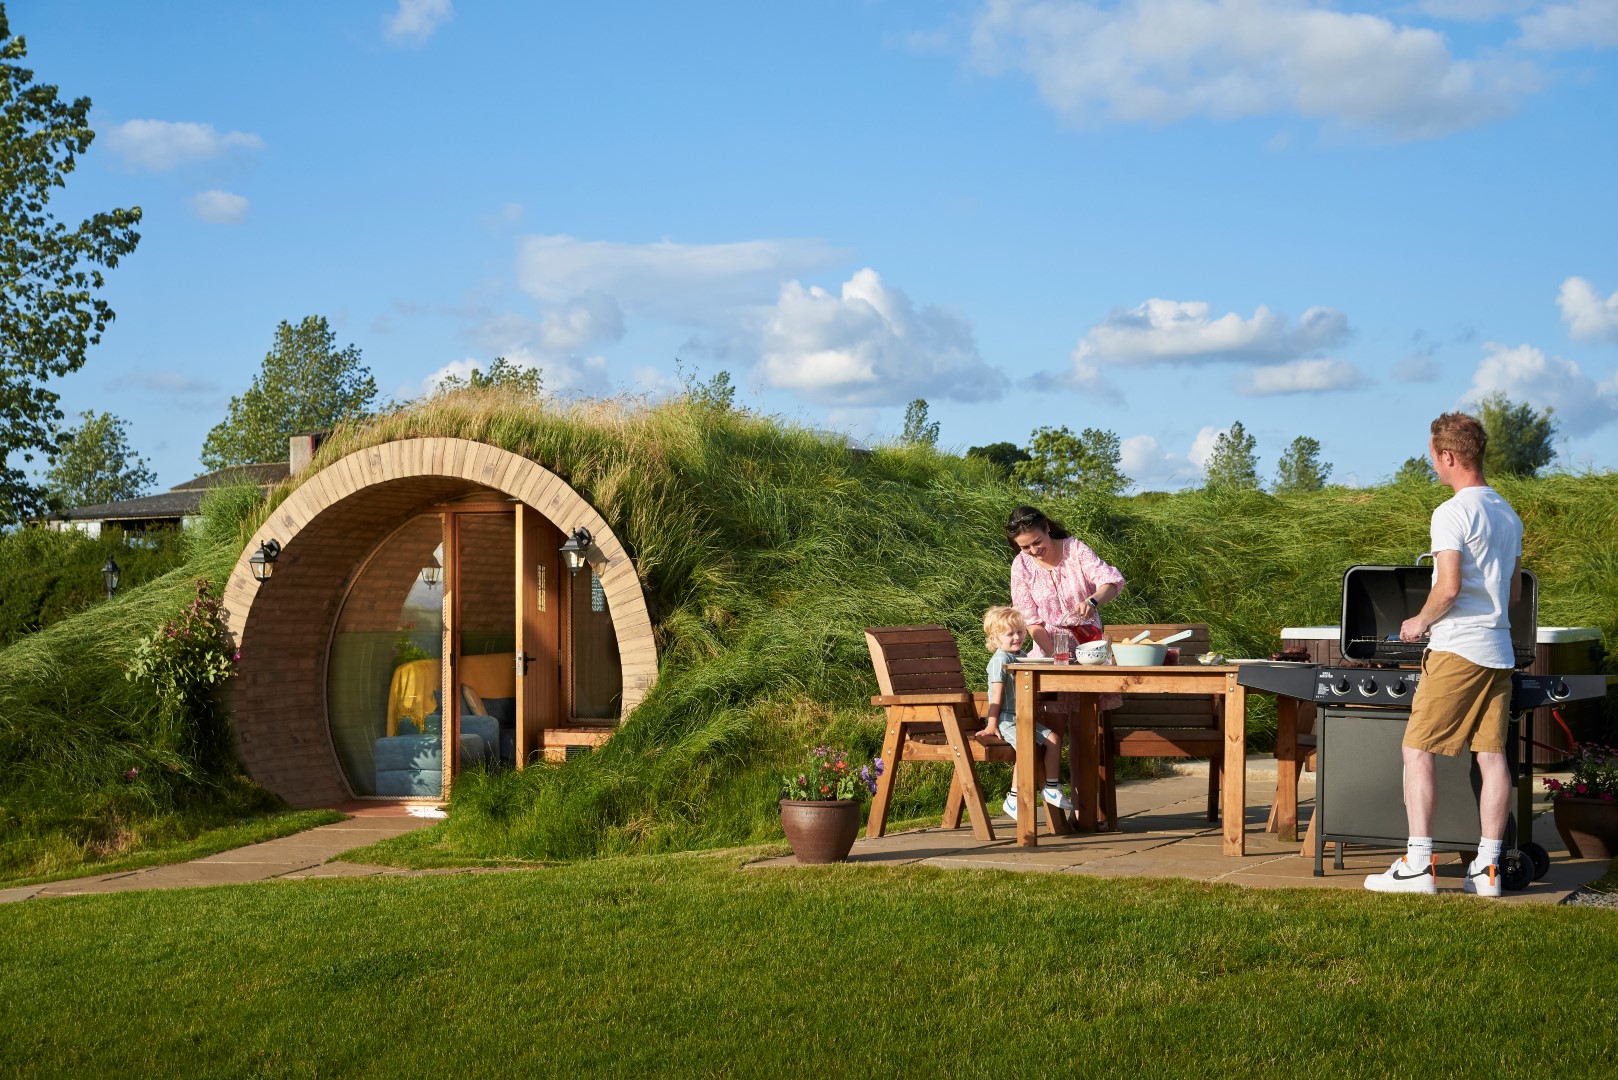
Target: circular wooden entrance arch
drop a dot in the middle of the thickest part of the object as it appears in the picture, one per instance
(326, 528)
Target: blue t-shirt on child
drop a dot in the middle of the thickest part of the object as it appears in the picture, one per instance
(999, 674)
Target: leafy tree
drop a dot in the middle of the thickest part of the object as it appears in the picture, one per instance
(1300, 468)
(502, 374)
(1415, 470)
(717, 393)
(306, 384)
(1005, 455)
(1233, 464)
(1519, 437)
(918, 431)
(1061, 463)
(49, 273)
(95, 464)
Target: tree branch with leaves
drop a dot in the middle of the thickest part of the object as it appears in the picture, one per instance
(50, 274)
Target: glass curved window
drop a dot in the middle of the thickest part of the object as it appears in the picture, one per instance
(384, 678)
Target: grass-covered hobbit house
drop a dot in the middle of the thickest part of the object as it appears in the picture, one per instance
(418, 619)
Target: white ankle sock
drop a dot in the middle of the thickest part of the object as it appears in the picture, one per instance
(1488, 852)
(1419, 852)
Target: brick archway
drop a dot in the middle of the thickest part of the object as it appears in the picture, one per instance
(326, 529)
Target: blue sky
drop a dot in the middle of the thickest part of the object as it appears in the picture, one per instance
(1153, 216)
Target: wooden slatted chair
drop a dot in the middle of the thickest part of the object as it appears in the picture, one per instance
(932, 717)
(1164, 725)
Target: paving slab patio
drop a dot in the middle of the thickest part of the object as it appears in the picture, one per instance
(1164, 832)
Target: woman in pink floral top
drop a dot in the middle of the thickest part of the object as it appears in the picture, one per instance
(1057, 582)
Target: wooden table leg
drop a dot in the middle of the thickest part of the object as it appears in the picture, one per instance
(1023, 769)
(1233, 793)
(1286, 769)
(1082, 763)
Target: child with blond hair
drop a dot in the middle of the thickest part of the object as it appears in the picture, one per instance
(1005, 632)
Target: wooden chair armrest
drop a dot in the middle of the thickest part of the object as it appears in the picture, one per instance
(960, 697)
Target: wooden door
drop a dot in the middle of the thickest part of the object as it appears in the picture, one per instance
(538, 626)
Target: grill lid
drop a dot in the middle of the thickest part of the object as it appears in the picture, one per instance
(1378, 599)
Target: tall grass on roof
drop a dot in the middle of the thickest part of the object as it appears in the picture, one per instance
(765, 549)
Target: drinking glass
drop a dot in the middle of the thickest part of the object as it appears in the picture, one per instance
(1062, 645)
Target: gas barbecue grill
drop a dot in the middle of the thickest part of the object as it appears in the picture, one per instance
(1364, 705)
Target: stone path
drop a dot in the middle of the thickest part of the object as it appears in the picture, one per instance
(1165, 833)
(302, 855)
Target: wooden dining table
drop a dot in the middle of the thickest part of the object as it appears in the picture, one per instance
(1034, 678)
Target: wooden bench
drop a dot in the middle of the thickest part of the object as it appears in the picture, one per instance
(932, 716)
(1163, 725)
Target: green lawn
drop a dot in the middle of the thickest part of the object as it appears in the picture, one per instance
(688, 965)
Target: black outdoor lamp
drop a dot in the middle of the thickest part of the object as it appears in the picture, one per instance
(109, 575)
(575, 551)
(432, 573)
(263, 560)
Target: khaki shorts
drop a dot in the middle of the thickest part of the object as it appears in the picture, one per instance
(1459, 702)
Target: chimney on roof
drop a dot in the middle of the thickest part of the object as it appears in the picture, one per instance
(301, 448)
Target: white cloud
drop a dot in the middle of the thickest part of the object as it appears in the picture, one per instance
(1526, 374)
(665, 276)
(1173, 331)
(870, 345)
(417, 20)
(1303, 377)
(1202, 447)
(165, 144)
(651, 380)
(1151, 467)
(588, 320)
(1160, 61)
(1588, 316)
(220, 207)
(1579, 24)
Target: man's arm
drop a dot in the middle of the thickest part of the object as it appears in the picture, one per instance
(1516, 580)
(1446, 587)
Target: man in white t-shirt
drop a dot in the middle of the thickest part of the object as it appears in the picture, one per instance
(1464, 696)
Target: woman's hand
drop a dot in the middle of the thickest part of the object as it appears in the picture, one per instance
(1079, 615)
(991, 728)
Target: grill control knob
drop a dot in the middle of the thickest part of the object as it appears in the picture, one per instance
(1368, 687)
(1560, 691)
(1398, 689)
(1341, 686)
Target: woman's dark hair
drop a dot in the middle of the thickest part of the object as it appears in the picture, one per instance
(1026, 519)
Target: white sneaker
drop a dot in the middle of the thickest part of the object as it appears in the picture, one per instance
(1482, 880)
(1053, 795)
(1402, 879)
(1010, 805)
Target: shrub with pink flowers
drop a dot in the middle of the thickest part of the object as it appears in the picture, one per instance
(1595, 775)
(184, 663)
(828, 775)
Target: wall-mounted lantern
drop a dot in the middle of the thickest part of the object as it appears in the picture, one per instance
(432, 573)
(575, 553)
(263, 560)
(109, 576)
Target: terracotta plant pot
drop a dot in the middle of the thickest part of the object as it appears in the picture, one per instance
(1589, 827)
(820, 830)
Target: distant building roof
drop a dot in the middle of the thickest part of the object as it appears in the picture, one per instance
(179, 502)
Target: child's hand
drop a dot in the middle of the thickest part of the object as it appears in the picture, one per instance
(988, 730)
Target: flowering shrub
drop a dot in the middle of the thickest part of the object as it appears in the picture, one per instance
(1595, 775)
(828, 775)
(183, 662)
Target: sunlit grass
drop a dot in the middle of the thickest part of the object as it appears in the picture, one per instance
(689, 966)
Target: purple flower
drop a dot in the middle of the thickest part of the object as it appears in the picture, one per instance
(132, 773)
